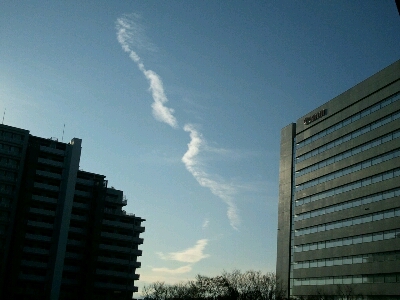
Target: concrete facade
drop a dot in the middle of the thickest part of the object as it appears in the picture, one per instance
(339, 194)
(63, 233)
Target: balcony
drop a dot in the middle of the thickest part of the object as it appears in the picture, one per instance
(117, 200)
(51, 162)
(44, 199)
(116, 236)
(121, 249)
(83, 193)
(117, 261)
(85, 181)
(44, 212)
(48, 174)
(31, 277)
(73, 255)
(46, 186)
(75, 243)
(118, 274)
(80, 205)
(37, 237)
(77, 230)
(71, 268)
(107, 285)
(139, 229)
(40, 224)
(52, 150)
(118, 224)
(36, 250)
(69, 281)
(78, 218)
(34, 264)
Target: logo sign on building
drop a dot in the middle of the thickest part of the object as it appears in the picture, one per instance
(315, 116)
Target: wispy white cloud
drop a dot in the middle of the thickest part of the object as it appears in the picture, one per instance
(205, 223)
(129, 35)
(222, 190)
(189, 255)
(181, 270)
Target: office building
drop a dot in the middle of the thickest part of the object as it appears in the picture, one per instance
(339, 194)
(63, 233)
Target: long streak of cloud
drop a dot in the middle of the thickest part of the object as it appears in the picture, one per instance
(222, 190)
(128, 33)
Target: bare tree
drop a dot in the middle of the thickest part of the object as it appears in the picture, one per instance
(250, 285)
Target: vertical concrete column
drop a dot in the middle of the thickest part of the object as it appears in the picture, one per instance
(284, 206)
(63, 216)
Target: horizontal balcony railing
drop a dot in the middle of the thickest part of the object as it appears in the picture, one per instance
(52, 150)
(139, 229)
(118, 224)
(38, 237)
(51, 162)
(80, 205)
(121, 249)
(69, 281)
(71, 268)
(31, 277)
(114, 286)
(77, 230)
(85, 181)
(40, 224)
(113, 260)
(48, 174)
(116, 236)
(34, 264)
(73, 255)
(36, 250)
(78, 218)
(118, 274)
(83, 193)
(44, 212)
(117, 200)
(76, 243)
(44, 199)
(46, 186)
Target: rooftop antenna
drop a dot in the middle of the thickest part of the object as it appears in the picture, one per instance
(62, 139)
(4, 115)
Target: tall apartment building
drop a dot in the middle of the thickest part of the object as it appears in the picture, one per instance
(339, 194)
(63, 233)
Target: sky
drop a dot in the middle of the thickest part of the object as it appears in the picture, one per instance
(180, 104)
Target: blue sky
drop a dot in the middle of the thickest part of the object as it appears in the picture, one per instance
(180, 104)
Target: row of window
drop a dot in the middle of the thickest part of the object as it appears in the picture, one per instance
(4, 161)
(351, 240)
(349, 204)
(385, 214)
(348, 260)
(348, 153)
(6, 135)
(8, 175)
(348, 137)
(10, 149)
(352, 279)
(350, 186)
(354, 168)
(349, 120)
(4, 201)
